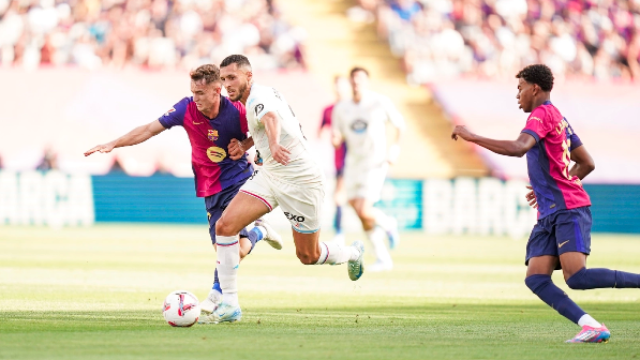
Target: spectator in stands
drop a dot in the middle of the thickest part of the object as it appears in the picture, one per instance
(150, 33)
(446, 38)
(49, 160)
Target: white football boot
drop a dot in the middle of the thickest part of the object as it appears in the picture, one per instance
(380, 266)
(224, 313)
(271, 237)
(355, 268)
(210, 304)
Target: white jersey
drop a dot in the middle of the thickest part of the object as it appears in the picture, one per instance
(301, 167)
(362, 126)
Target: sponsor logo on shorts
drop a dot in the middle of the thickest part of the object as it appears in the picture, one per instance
(295, 218)
(253, 175)
(212, 135)
(258, 109)
(562, 244)
(216, 154)
(359, 126)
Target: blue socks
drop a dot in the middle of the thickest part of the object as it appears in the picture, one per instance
(603, 278)
(543, 287)
(337, 220)
(216, 282)
(254, 236)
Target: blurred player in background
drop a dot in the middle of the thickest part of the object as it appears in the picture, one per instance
(341, 88)
(212, 123)
(361, 123)
(288, 177)
(562, 237)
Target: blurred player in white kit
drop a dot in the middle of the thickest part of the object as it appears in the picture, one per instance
(361, 123)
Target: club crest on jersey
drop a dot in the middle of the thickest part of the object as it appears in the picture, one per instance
(258, 109)
(359, 126)
(216, 154)
(169, 111)
(212, 135)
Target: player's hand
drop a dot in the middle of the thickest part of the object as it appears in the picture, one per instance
(531, 197)
(461, 131)
(236, 151)
(105, 148)
(280, 153)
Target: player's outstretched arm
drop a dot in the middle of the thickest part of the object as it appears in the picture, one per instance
(584, 163)
(271, 123)
(133, 137)
(517, 147)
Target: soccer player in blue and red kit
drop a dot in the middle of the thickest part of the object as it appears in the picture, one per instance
(217, 129)
(561, 239)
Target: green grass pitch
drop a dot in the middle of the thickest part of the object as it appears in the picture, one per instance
(96, 293)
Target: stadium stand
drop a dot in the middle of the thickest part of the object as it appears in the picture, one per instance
(447, 38)
(156, 34)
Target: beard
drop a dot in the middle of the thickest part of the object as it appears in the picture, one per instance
(240, 93)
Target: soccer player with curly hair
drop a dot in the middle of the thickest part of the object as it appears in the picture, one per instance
(561, 239)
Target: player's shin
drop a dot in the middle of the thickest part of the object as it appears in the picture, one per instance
(333, 254)
(376, 236)
(228, 262)
(547, 291)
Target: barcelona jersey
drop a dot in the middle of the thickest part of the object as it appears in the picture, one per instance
(549, 160)
(213, 168)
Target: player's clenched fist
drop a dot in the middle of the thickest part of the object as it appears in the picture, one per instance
(236, 151)
(280, 153)
(105, 148)
(461, 131)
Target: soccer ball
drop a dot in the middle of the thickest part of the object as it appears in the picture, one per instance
(181, 309)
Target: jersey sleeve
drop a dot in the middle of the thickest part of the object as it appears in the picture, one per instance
(175, 115)
(573, 138)
(244, 125)
(537, 124)
(326, 117)
(264, 102)
(393, 115)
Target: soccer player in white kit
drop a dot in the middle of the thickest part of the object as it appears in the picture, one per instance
(288, 177)
(361, 123)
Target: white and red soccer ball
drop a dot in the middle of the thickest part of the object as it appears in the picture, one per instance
(181, 309)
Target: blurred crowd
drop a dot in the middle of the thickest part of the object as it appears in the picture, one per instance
(495, 38)
(149, 33)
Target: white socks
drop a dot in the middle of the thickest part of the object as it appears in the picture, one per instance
(333, 254)
(228, 262)
(586, 319)
(376, 236)
(382, 220)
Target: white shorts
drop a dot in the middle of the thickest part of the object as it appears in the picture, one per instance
(301, 203)
(365, 183)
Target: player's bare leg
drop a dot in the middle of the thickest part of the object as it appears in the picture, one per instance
(311, 251)
(365, 211)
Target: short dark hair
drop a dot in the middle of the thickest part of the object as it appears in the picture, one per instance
(240, 60)
(539, 74)
(356, 69)
(208, 72)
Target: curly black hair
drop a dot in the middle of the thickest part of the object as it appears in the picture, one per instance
(240, 60)
(539, 74)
